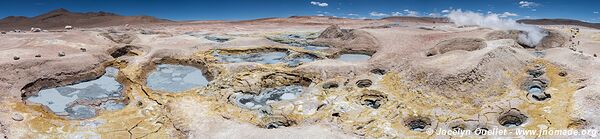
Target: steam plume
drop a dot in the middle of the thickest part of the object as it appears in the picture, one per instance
(532, 37)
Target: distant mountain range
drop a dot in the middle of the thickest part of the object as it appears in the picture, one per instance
(416, 19)
(559, 22)
(60, 18)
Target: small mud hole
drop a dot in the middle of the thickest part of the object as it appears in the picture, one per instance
(512, 118)
(83, 100)
(481, 131)
(562, 73)
(330, 85)
(536, 89)
(537, 92)
(176, 78)
(278, 124)
(537, 71)
(289, 58)
(373, 99)
(267, 96)
(418, 123)
(128, 50)
(378, 71)
(364, 83)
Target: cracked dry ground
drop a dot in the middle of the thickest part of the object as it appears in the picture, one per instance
(336, 83)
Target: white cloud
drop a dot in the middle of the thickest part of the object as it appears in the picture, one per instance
(434, 14)
(322, 12)
(320, 4)
(508, 14)
(528, 4)
(534, 10)
(320, 15)
(351, 14)
(378, 14)
(397, 14)
(411, 13)
(445, 11)
(595, 12)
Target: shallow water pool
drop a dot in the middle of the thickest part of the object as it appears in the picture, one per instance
(65, 100)
(176, 78)
(265, 58)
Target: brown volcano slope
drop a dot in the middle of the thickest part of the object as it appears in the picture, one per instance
(61, 17)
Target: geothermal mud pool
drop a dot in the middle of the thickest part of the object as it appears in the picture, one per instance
(267, 96)
(289, 58)
(298, 40)
(175, 78)
(82, 100)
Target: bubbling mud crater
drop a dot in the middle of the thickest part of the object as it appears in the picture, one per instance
(83, 100)
(301, 40)
(267, 96)
(287, 57)
(175, 78)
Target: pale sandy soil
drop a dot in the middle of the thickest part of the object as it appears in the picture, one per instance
(471, 87)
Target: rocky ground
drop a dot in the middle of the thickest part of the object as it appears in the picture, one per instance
(358, 79)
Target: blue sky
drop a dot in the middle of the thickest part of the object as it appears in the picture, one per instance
(586, 10)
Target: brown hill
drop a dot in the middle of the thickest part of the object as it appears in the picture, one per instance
(559, 22)
(59, 18)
